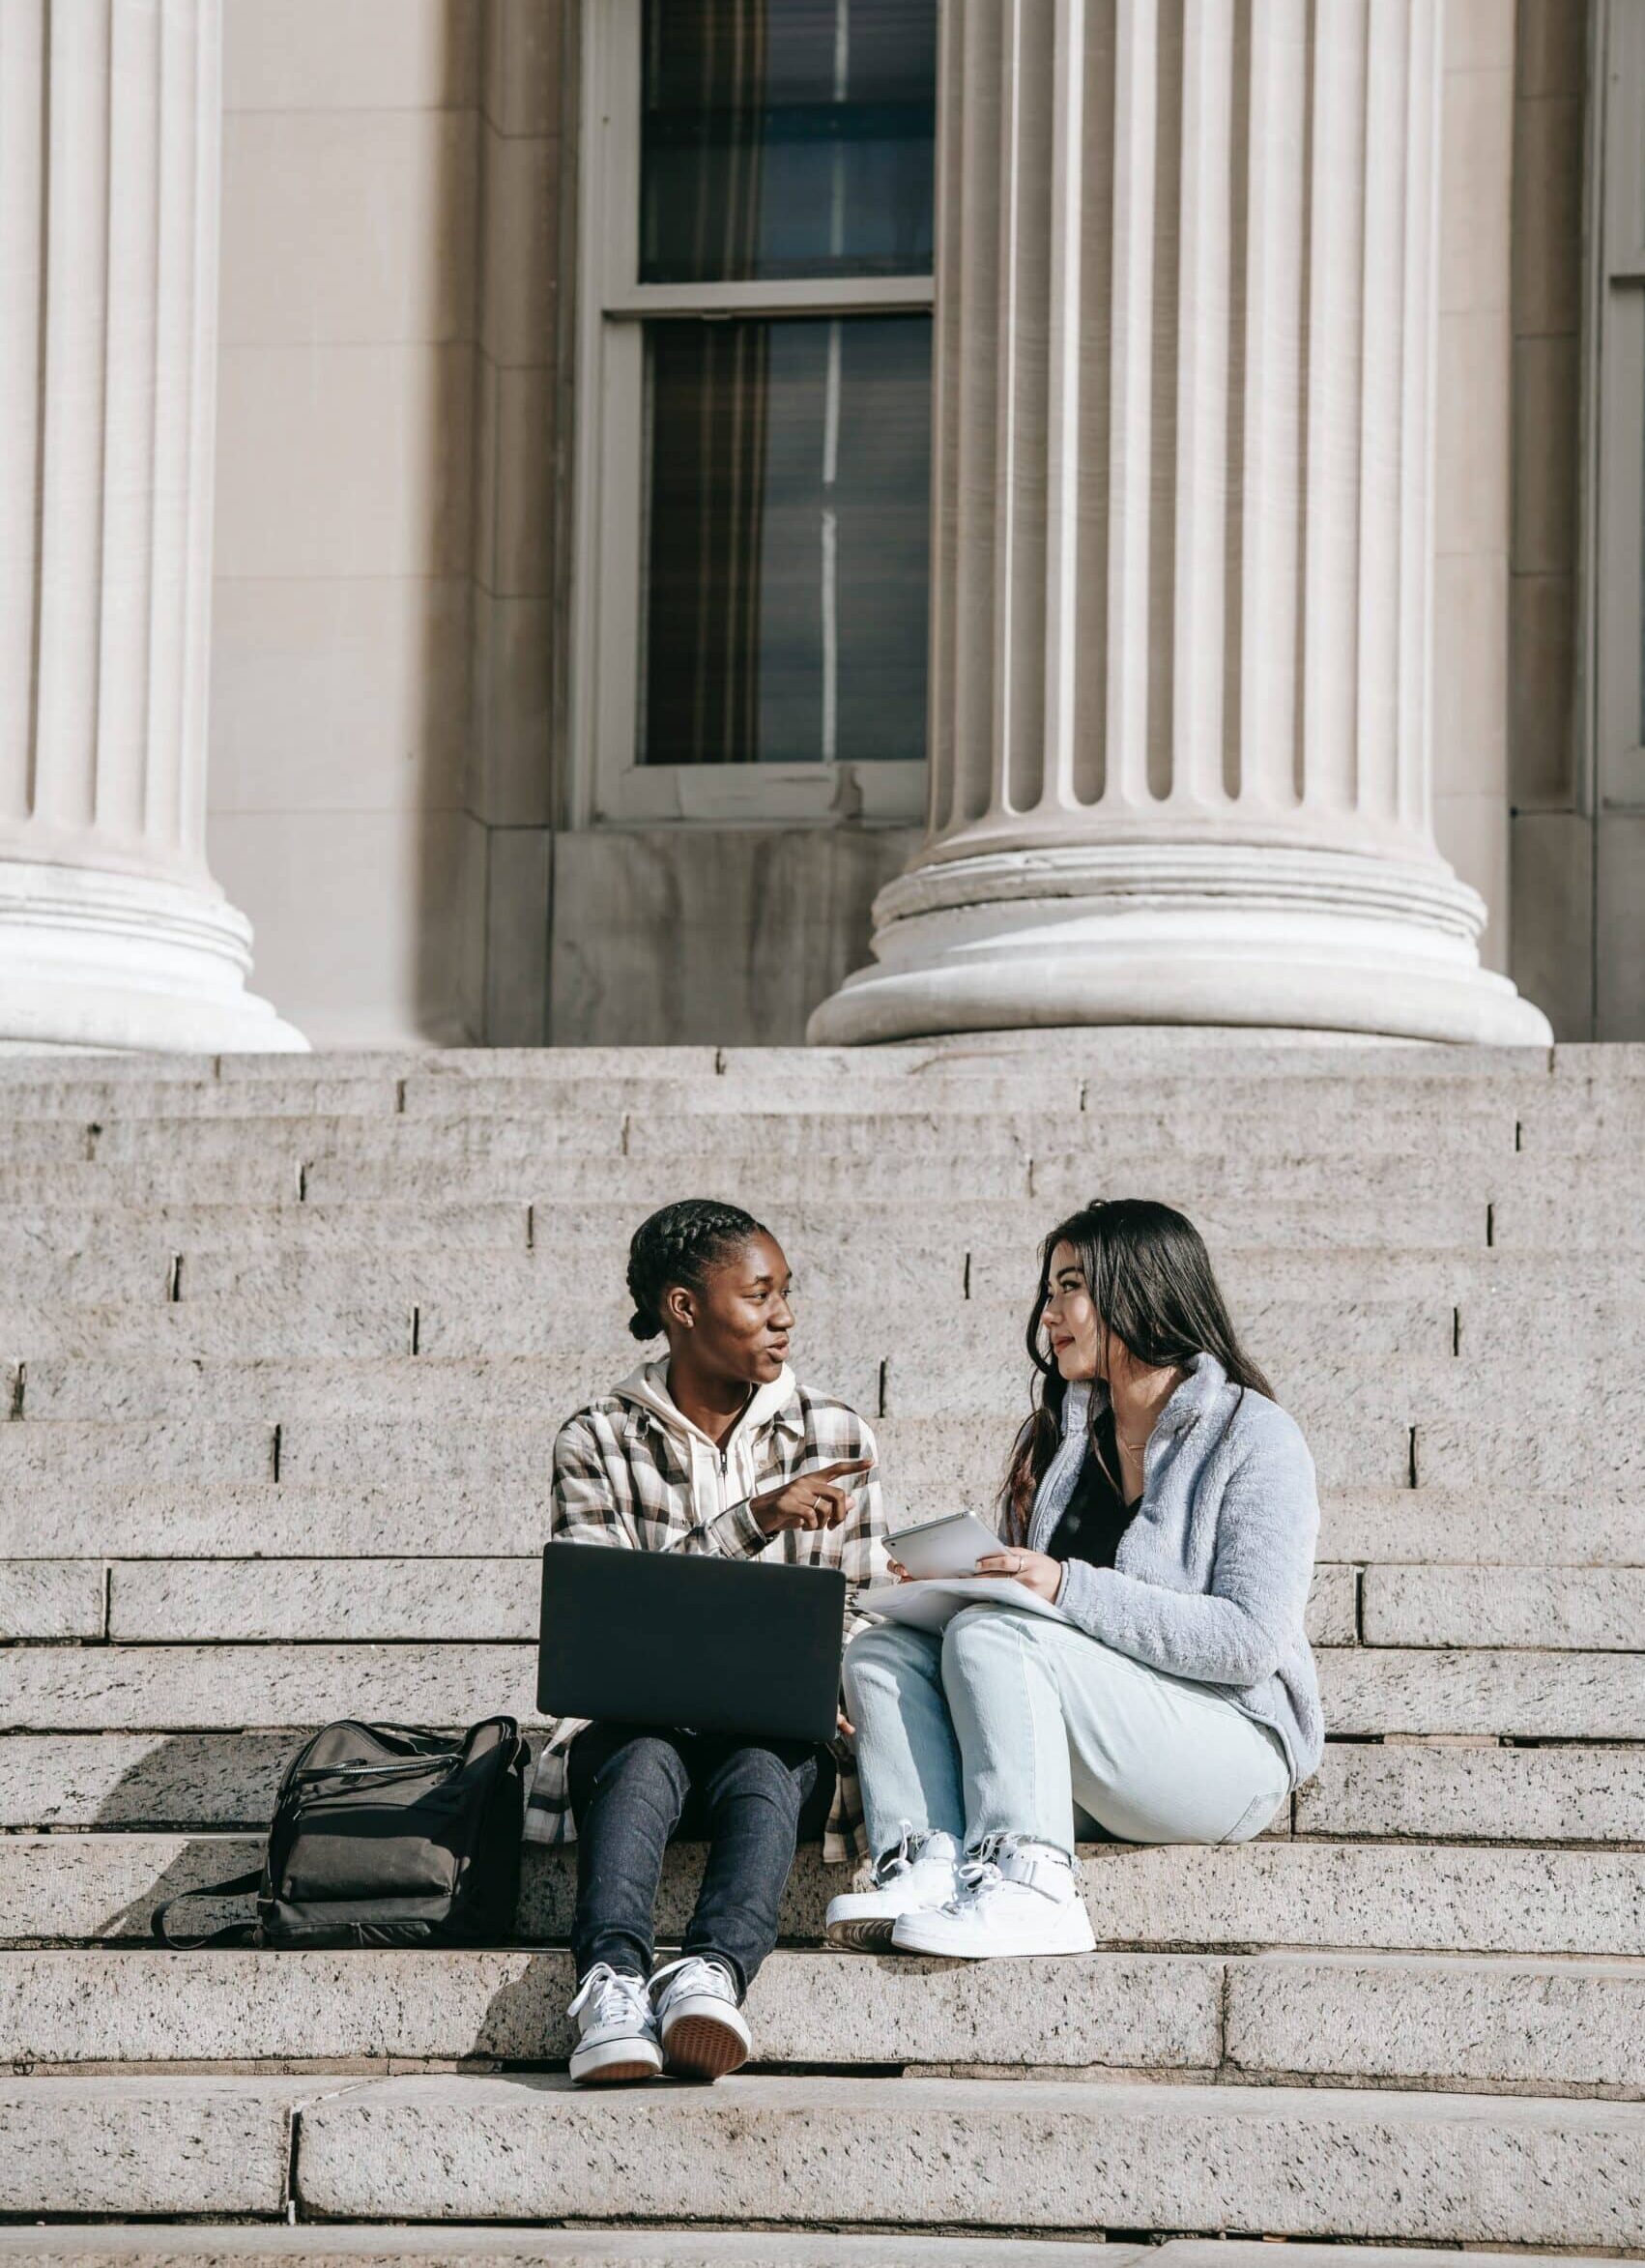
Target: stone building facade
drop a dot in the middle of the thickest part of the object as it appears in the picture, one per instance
(1282, 561)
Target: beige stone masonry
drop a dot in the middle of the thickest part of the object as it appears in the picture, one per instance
(112, 931)
(1189, 315)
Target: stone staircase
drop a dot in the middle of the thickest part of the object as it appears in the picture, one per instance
(266, 1318)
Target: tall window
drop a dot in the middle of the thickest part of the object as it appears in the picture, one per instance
(755, 407)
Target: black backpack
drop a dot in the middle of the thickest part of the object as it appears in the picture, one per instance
(386, 1835)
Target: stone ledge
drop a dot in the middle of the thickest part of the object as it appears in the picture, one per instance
(433, 1601)
(1323, 1127)
(1359, 1424)
(1409, 1790)
(1310, 1895)
(177, 2145)
(1594, 1608)
(525, 1310)
(1567, 2027)
(1549, 2028)
(85, 1490)
(453, 2245)
(1157, 2012)
(1406, 1789)
(1366, 1690)
(445, 2246)
(979, 2153)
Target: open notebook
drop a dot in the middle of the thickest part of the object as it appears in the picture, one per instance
(932, 1604)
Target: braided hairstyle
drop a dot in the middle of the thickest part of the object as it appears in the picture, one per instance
(681, 1245)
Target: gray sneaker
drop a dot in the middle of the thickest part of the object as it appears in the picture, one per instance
(617, 2033)
(703, 2032)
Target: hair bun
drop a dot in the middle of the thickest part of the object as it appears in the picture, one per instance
(643, 1325)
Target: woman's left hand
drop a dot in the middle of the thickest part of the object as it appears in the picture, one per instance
(1036, 1571)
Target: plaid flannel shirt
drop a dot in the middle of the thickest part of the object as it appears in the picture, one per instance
(620, 1478)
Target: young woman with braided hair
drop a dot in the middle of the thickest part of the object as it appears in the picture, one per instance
(1163, 1504)
(713, 1447)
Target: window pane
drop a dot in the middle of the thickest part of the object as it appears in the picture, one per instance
(787, 481)
(786, 138)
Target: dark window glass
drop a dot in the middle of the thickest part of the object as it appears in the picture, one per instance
(787, 481)
(786, 138)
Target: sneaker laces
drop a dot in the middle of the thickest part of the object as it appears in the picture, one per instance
(909, 1850)
(612, 1995)
(981, 1872)
(897, 1861)
(694, 1972)
(974, 1877)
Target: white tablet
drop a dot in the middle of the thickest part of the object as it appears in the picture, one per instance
(950, 1546)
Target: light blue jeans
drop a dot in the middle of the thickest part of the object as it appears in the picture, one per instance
(1011, 1724)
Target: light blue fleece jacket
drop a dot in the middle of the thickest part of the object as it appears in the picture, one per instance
(1211, 1578)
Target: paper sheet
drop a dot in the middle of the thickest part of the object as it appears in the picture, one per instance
(933, 1604)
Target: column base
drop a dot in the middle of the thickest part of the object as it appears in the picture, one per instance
(1184, 934)
(94, 959)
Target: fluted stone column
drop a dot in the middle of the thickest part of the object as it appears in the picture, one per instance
(1182, 577)
(112, 932)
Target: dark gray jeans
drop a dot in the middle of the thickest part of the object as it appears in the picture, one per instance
(632, 1789)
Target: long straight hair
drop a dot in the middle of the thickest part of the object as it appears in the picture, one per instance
(1151, 1283)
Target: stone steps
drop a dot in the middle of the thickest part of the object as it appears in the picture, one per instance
(226, 1601)
(1332, 1130)
(493, 1320)
(204, 1490)
(675, 1115)
(1003, 2154)
(351, 1309)
(262, 1319)
(1191, 1123)
(835, 1279)
(598, 1199)
(1012, 2155)
(159, 2244)
(1378, 1431)
(1468, 1790)
(1340, 1243)
(1338, 1392)
(526, 1080)
(178, 1600)
(1487, 2025)
(384, 1249)
(1305, 1895)
(1110, 1049)
(1367, 1690)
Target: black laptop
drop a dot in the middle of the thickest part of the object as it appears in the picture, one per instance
(681, 1640)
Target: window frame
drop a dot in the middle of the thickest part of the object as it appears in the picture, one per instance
(608, 786)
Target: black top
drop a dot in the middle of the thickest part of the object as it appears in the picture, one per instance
(1097, 1515)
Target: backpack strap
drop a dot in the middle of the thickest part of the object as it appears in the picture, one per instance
(232, 1933)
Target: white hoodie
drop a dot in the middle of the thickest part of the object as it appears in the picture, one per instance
(721, 1478)
(631, 1469)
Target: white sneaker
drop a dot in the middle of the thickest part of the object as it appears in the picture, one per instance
(703, 2032)
(1014, 1897)
(916, 1878)
(617, 2033)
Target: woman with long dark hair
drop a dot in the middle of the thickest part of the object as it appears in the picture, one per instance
(1161, 1504)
